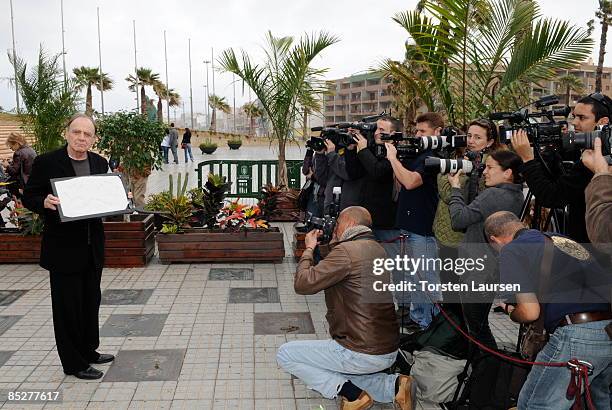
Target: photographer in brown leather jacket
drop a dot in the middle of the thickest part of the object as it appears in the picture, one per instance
(362, 323)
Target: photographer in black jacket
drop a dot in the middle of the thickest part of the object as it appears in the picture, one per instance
(376, 175)
(566, 189)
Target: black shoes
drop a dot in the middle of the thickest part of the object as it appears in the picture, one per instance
(104, 358)
(88, 374)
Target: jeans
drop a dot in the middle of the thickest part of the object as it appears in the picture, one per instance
(174, 154)
(422, 310)
(324, 366)
(187, 149)
(165, 152)
(545, 387)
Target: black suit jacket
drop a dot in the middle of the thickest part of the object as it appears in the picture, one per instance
(66, 246)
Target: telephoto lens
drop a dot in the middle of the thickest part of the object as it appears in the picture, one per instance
(439, 142)
(448, 166)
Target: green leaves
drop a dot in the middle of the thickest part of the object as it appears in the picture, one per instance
(476, 56)
(283, 82)
(133, 139)
(49, 102)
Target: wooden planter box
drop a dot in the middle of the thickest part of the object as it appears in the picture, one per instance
(203, 245)
(286, 207)
(16, 248)
(129, 244)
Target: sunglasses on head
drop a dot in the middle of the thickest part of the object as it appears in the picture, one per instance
(603, 100)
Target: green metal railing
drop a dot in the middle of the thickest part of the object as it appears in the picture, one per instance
(248, 177)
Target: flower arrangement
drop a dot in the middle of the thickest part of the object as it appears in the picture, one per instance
(238, 216)
(28, 222)
(204, 208)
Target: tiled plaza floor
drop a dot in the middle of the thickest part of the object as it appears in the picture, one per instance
(181, 340)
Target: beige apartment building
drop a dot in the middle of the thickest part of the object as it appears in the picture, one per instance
(586, 73)
(355, 97)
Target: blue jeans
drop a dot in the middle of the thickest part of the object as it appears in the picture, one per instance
(545, 387)
(187, 149)
(324, 366)
(422, 310)
(174, 153)
(165, 152)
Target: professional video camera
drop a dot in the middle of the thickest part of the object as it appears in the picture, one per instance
(550, 134)
(339, 134)
(326, 224)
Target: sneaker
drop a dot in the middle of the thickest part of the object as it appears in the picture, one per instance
(406, 396)
(363, 402)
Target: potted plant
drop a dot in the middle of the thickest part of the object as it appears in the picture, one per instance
(208, 147)
(279, 204)
(234, 142)
(133, 141)
(200, 229)
(22, 243)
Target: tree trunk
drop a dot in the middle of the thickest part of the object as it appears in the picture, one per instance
(602, 52)
(160, 110)
(213, 121)
(282, 164)
(305, 125)
(143, 102)
(88, 103)
(568, 95)
(251, 125)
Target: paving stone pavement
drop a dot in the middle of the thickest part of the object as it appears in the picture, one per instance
(206, 352)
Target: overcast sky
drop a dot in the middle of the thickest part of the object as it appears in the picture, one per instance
(365, 28)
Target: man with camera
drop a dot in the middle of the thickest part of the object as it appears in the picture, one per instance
(376, 175)
(567, 189)
(417, 203)
(362, 323)
(560, 286)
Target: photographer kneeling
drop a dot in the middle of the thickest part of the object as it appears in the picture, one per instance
(362, 323)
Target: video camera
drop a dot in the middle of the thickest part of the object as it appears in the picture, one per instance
(550, 134)
(339, 134)
(326, 224)
(411, 146)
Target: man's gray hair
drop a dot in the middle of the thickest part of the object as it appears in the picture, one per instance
(81, 115)
(502, 223)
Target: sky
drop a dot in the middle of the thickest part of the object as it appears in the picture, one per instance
(365, 28)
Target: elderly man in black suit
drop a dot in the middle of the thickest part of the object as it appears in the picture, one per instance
(72, 252)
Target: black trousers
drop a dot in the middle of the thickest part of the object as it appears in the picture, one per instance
(75, 300)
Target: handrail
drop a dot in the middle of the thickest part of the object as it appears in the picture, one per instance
(248, 177)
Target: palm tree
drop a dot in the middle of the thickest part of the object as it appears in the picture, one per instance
(571, 83)
(604, 14)
(217, 103)
(477, 56)
(163, 94)
(284, 79)
(88, 76)
(146, 77)
(48, 100)
(252, 111)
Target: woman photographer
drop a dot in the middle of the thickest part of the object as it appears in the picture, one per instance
(481, 138)
(503, 192)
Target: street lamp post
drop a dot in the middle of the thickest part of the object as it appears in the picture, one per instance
(63, 46)
(14, 60)
(100, 66)
(136, 68)
(167, 87)
(206, 62)
(190, 87)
